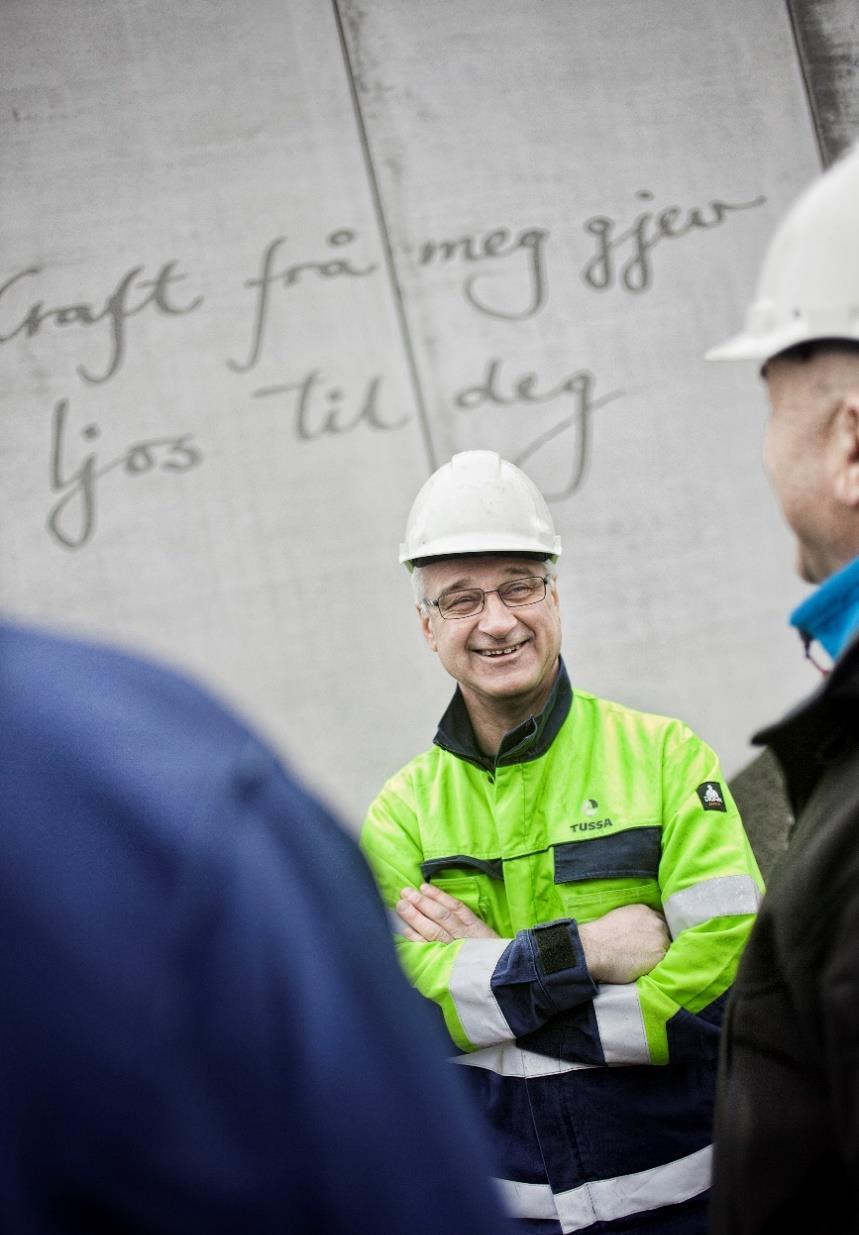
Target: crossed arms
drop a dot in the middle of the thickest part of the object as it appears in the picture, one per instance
(619, 947)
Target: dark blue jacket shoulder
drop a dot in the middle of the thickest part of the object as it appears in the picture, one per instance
(204, 1027)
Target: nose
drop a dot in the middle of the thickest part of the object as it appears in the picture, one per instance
(496, 620)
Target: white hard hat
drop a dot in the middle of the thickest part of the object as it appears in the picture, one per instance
(478, 503)
(809, 281)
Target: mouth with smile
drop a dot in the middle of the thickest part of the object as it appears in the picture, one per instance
(499, 653)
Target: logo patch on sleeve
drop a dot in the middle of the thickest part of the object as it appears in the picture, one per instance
(711, 796)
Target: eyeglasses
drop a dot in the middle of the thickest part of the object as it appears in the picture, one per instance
(466, 602)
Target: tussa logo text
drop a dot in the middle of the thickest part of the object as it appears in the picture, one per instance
(591, 825)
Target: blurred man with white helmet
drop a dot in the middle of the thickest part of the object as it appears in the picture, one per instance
(570, 879)
(787, 1131)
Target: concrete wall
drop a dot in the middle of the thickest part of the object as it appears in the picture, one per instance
(266, 265)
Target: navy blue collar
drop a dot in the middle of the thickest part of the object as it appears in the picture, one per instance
(527, 741)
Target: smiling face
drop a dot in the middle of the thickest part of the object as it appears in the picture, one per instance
(502, 658)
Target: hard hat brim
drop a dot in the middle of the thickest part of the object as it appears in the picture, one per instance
(746, 346)
(471, 545)
(739, 347)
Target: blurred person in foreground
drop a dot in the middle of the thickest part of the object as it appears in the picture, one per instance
(204, 1027)
(787, 1132)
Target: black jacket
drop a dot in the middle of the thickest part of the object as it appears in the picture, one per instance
(787, 1119)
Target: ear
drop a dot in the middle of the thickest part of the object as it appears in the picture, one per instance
(845, 436)
(426, 625)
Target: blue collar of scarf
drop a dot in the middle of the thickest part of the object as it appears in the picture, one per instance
(831, 614)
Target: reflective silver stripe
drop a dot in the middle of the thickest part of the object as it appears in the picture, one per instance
(722, 897)
(621, 1025)
(606, 1200)
(619, 1021)
(508, 1059)
(476, 1005)
(527, 1200)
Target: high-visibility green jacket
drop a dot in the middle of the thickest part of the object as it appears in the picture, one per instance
(587, 807)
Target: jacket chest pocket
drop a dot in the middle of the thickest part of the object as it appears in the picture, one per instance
(604, 872)
(465, 878)
(466, 888)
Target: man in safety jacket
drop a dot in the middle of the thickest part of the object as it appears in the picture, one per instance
(571, 880)
(787, 1132)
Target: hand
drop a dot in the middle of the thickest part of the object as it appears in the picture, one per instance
(624, 944)
(433, 916)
